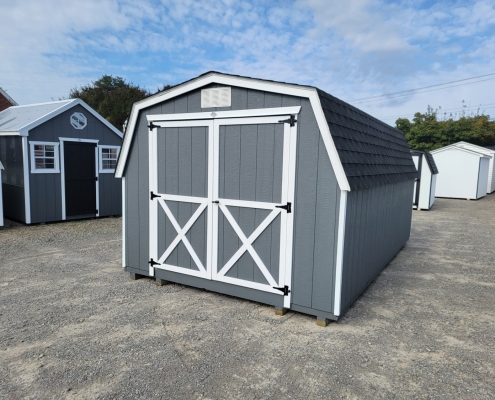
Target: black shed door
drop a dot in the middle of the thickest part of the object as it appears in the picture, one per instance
(80, 179)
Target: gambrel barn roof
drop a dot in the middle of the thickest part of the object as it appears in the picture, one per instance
(364, 151)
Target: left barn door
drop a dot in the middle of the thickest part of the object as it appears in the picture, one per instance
(181, 197)
(80, 179)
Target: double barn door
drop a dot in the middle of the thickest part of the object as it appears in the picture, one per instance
(221, 201)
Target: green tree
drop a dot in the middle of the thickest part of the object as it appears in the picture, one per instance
(112, 97)
(428, 132)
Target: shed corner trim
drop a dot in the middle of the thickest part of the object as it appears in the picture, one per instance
(339, 262)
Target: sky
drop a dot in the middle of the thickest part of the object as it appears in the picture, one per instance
(360, 51)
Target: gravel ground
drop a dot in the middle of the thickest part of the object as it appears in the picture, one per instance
(73, 325)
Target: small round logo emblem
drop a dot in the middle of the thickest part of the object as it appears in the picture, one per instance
(78, 120)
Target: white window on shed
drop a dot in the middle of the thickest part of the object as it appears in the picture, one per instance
(108, 158)
(44, 157)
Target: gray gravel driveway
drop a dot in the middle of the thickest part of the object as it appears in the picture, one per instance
(73, 325)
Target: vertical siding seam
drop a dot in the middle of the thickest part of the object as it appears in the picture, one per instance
(316, 216)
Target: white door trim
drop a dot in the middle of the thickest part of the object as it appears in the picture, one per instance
(204, 204)
(212, 270)
(62, 172)
(258, 112)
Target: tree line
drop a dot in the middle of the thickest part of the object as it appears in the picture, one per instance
(112, 97)
(430, 131)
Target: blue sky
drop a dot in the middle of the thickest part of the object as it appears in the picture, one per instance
(353, 49)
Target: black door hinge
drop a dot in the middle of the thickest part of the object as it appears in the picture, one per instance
(151, 126)
(287, 207)
(285, 290)
(291, 120)
(154, 195)
(96, 211)
(96, 178)
(153, 263)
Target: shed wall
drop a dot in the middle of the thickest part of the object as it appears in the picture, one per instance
(378, 225)
(45, 189)
(12, 177)
(316, 195)
(459, 174)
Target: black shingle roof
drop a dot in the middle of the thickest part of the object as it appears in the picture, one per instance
(429, 159)
(372, 152)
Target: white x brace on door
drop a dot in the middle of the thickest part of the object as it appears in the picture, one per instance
(222, 196)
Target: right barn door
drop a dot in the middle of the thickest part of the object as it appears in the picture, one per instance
(253, 203)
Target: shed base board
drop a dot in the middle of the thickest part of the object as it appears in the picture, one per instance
(230, 290)
(221, 287)
(318, 313)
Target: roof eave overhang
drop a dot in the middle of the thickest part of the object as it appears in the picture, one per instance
(249, 83)
(24, 131)
(14, 133)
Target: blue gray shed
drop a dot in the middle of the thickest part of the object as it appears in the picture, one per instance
(268, 191)
(59, 159)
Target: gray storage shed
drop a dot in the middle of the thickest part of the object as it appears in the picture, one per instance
(425, 185)
(59, 160)
(268, 191)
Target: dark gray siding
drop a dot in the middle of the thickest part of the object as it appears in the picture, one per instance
(316, 197)
(45, 189)
(110, 195)
(12, 177)
(378, 225)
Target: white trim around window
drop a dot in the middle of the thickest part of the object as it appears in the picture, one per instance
(45, 156)
(110, 157)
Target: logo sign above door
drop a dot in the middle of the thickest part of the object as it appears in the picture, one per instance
(78, 120)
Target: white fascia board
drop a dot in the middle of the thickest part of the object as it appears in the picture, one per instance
(455, 147)
(13, 133)
(476, 148)
(249, 83)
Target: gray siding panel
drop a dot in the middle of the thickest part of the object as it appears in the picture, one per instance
(110, 195)
(378, 225)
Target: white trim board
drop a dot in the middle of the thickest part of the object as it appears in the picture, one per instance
(258, 112)
(25, 166)
(339, 263)
(249, 83)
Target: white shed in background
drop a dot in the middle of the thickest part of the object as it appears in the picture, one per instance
(1, 196)
(464, 172)
(491, 168)
(425, 184)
